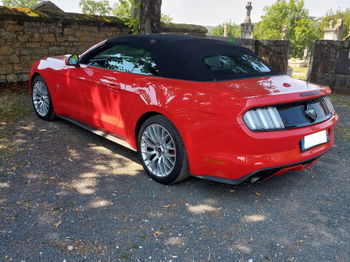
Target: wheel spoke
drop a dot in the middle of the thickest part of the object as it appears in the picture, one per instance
(149, 141)
(161, 167)
(169, 158)
(167, 163)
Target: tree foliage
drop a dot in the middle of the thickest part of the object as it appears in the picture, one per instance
(290, 14)
(95, 7)
(21, 3)
(165, 18)
(122, 9)
(233, 30)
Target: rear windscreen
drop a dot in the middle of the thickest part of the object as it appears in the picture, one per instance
(243, 64)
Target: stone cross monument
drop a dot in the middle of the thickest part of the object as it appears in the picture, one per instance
(247, 27)
(249, 11)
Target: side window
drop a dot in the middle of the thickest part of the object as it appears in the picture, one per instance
(127, 59)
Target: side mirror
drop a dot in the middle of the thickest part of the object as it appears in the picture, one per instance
(73, 60)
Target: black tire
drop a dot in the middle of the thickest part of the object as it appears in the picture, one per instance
(180, 170)
(48, 114)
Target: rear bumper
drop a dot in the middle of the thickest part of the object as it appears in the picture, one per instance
(240, 154)
(265, 173)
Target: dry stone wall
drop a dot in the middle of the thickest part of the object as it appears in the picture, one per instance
(23, 43)
(27, 35)
(330, 65)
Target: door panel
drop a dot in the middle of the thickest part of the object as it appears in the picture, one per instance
(96, 97)
(74, 98)
(95, 91)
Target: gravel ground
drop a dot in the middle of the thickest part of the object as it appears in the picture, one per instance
(68, 195)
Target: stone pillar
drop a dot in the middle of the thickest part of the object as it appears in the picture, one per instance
(225, 30)
(285, 32)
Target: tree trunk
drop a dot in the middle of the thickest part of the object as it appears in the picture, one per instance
(135, 9)
(150, 11)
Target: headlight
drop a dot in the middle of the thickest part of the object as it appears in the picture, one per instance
(262, 119)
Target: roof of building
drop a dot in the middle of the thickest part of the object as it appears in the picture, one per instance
(47, 6)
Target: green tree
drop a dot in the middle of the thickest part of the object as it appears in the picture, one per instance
(166, 18)
(122, 9)
(233, 30)
(21, 3)
(93, 7)
(292, 15)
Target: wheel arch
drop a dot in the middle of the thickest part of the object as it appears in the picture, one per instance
(149, 114)
(32, 79)
(142, 119)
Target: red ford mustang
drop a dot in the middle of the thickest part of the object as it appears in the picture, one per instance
(189, 105)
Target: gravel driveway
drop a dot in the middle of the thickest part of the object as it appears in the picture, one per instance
(68, 195)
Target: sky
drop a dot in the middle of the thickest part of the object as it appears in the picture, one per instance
(214, 12)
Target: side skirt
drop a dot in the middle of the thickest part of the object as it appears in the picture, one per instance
(98, 132)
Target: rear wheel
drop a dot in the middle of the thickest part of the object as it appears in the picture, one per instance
(41, 99)
(162, 150)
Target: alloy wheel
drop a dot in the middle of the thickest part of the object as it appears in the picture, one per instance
(41, 98)
(158, 150)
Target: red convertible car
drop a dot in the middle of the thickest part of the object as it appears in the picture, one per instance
(189, 105)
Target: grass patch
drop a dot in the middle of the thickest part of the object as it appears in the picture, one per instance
(125, 256)
(343, 132)
(340, 100)
(13, 105)
(300, 70)
(300, 73)
(298, 76)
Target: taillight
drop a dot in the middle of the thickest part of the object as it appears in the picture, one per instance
(288, 116)
(328, 104)
(261, 119)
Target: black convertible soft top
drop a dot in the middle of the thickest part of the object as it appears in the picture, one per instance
(181, 56)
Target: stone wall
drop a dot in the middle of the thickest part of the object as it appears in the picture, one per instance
(325, 57)
(27, 35)
(273, 52)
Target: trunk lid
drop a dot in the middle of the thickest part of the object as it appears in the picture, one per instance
(268, 87)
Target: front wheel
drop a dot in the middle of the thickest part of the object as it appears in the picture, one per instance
(162, 151)
(41, 99)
